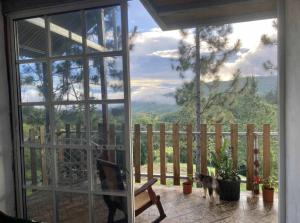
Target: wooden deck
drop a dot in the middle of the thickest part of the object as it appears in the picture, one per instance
(194, 208)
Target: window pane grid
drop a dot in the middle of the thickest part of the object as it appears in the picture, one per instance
(49, 71)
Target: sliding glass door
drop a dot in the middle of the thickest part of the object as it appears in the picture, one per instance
(71, 75)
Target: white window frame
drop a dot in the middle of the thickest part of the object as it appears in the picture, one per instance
(15, 95)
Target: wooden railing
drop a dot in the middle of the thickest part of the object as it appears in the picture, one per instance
(204, 134)
(149, 133)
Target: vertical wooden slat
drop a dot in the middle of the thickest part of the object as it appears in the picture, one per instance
(218, 130)
(78, 132)
(150, 151)
(176, 155)
(203, 141)
(137, 152)
(250, 158)
(68, 133)
(43, 156)
(112, 141)
(33, 158)
(234, 145)
(189, 139)
(102, 134)
(162, 137)
(266, 151)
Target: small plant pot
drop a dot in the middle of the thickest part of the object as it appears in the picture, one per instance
(229, 190)
(187, 187)
(268, 195)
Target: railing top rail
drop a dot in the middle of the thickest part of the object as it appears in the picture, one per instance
(211, 133)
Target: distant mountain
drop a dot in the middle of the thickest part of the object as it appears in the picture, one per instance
(152, 107)
(265, 85)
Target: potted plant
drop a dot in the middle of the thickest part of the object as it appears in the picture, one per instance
(268, 189)
(188, 185)
(228, 178)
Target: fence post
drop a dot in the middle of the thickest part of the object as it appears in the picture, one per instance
(176, 155)
(78, 133)
(112, 141)
(43, 156)
(137, 152)
(218, 143)
(189, 139)
(150, 151)
(33, 158)
(102, 134)
(266, 151)
(250, 158)
(203, 135)
(162, 137)
(234, 145)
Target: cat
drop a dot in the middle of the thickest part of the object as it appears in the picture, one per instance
(209, 183)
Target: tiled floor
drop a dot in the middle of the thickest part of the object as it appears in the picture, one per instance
(194, 208)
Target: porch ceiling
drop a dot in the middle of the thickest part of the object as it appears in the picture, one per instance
(175, 14)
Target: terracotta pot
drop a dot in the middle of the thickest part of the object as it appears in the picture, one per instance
(187, 187)
(268, 195)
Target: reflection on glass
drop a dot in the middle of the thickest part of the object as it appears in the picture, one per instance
(109, 70)
(107, 124)
(36, 124)
(102, 206)
(103, 29)
(72, 168)
(39, 205)
(31, 38)
(66, 36)
(72, 207)
(38, 166)
(95, 78)
(33, 82)
(68, 78)
(114, 77)
(69, 124)
(109, 171)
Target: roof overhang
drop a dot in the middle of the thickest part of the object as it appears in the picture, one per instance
(177, 14)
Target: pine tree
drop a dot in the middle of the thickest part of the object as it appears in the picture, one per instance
(213, 40)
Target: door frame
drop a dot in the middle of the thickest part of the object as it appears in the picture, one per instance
(14, 92)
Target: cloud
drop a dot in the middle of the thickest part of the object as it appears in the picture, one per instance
(154, 90)
(171, 54)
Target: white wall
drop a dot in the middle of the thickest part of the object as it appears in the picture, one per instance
(292, 100)
(7, 199)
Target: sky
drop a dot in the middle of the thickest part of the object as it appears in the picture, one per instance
(152, 78)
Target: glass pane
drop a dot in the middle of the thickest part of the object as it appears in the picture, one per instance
(69, 124)
(72, 168)
(109, 169)
(102, 206)
(109, 69)
(111, 131)
(36, 124)
(31, 38)
(39, 205)
(33, 80)
(95, 78)
(66, 37)
(114, 77)
(103, 29)
(72, 208)
(38, 165)
(68, 80)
